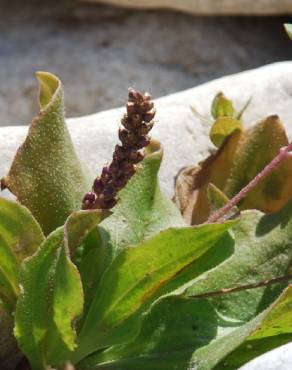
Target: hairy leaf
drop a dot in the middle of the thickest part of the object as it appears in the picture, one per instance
(263, 251)
(46, 175)
(20, 236)
(50, 300)
(274, 330)
(170, 333)
(86, 248)
(143, 210)
(134, 277)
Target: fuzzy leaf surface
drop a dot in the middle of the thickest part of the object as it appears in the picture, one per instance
(134, 277)
(143, 210)
(46, 175)
(171, 331)
(263, 251)
(274, 331)
(51, 299)
(20, 236)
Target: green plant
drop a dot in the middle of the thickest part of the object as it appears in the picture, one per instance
(125, 283)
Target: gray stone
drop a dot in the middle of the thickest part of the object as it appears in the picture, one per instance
(211, 7)
(99, 51)
(184, 137)
(277, 359)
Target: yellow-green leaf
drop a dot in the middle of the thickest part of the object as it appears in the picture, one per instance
(222, 128)
(222, 106)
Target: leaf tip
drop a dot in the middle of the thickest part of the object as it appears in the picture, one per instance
(49, 85)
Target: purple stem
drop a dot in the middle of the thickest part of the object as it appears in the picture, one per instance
(285, 152)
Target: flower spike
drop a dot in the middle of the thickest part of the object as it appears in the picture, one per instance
(137, 123)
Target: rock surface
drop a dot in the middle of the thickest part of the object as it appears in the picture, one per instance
(263, 7)
(184, 137)
(99, 51)
(278, 359)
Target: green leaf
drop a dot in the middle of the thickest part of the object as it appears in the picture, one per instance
(46, 175)
(288, 29)
(170, 333)
(262, 252)
(51, 299)
(143, 210)
(274, 330)
(79, 225)
(222, 107)
(134, 277)
(86, 248)
(20, 236)
(222, 128)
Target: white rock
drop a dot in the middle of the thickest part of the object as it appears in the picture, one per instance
(184, 137)
(277, 359)
(248, 7)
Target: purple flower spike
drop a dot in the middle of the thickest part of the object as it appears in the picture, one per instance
(137, 123)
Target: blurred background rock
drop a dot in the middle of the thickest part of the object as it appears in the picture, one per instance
(99, 50)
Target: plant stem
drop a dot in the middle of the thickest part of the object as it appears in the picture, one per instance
(284, 153)
(243, 287)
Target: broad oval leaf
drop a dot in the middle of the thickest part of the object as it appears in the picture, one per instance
(262, 252)
(142, 211)
(134, 277)
(46, 175)
(171, 331)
